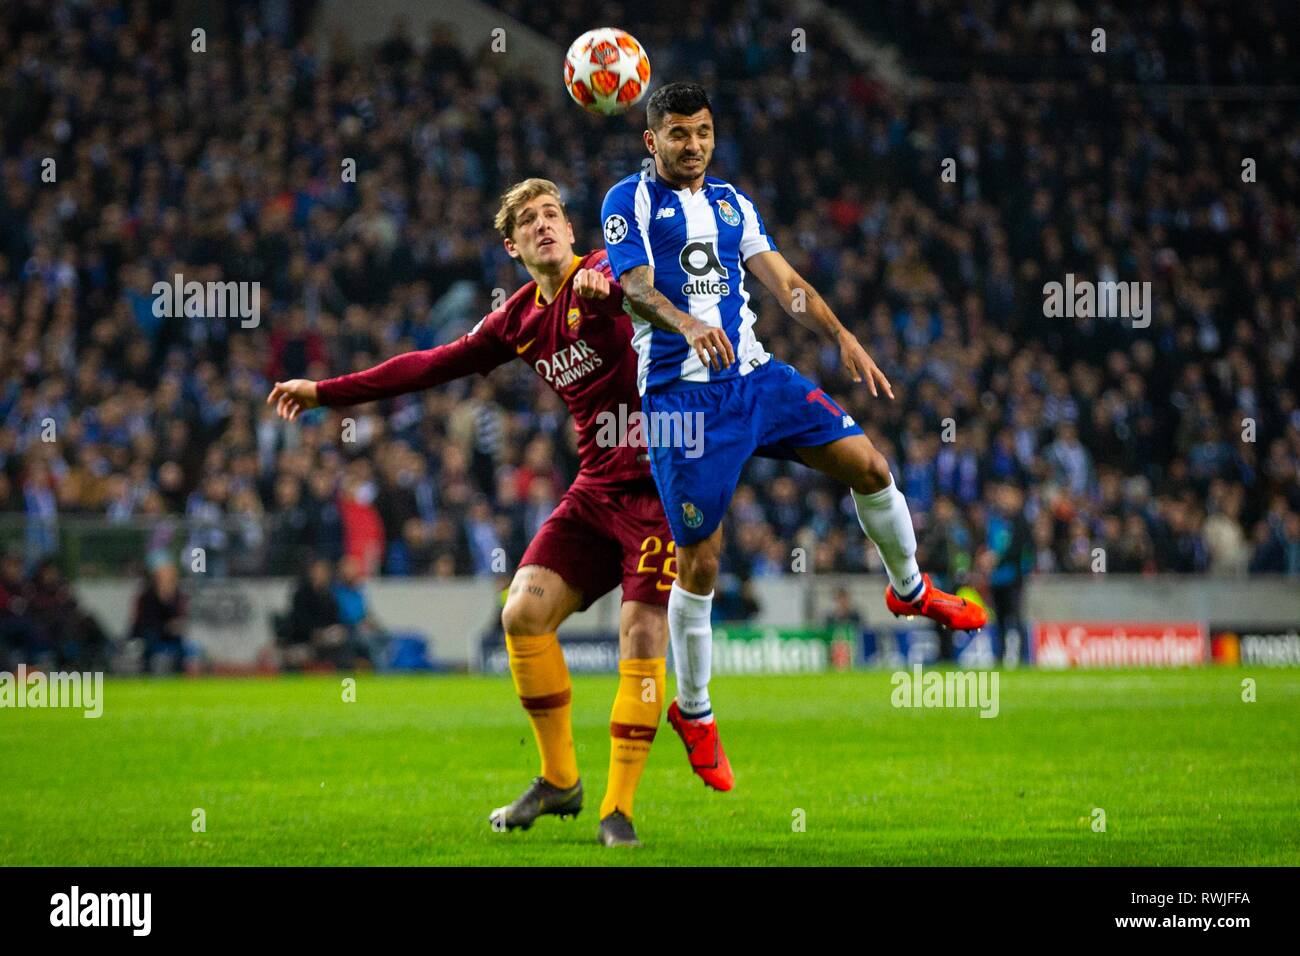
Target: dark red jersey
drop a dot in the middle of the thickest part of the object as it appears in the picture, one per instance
(581, 347)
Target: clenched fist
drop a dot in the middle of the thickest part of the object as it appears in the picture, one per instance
(591, 284)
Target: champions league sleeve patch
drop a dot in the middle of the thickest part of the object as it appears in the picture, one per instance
(615, 229)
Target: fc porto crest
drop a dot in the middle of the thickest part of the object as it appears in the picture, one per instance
(728, 214)
(692, 517)
(573, 317)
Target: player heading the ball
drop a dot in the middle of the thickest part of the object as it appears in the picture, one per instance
(682, 244)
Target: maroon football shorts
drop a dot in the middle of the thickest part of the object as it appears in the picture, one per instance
(601, 534)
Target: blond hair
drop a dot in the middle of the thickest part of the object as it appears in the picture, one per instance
(519, 195)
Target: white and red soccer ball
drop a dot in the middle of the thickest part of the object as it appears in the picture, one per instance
(606, 71)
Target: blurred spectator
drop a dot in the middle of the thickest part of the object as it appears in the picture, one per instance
(944, 548)
(1010, 542)
(1225, 541)
(18, 635)
(364, 630)
(159, 620)
(735, 600)
(363, 528)
(314, 633)
(843, 613)
(65, 636)
(323, 528)
(291, 526)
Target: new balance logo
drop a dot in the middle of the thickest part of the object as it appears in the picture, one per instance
(667, 212)
(847, 421)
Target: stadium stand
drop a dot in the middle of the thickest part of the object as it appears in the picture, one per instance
(1068, 434)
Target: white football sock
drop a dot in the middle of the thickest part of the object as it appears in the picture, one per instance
(885, 519)
(692, 639)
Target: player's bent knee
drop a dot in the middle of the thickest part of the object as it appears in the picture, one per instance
(538, 602)
(874, 474)
(527, 615)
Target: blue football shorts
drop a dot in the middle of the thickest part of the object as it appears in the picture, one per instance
(703, 435)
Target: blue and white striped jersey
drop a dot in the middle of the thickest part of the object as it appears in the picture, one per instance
(697, 244)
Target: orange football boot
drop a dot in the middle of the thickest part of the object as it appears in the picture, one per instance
(703, 749)
(941, 607)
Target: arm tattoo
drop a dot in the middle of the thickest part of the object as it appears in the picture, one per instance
(649, 303)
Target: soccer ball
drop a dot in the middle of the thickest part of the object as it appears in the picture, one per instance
(606, 71)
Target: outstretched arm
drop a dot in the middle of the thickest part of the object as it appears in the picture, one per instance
(803, 304)
(709, 342)
(410, 372)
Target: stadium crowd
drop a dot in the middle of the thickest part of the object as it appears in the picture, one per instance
(1183, 43)
(1024, 443)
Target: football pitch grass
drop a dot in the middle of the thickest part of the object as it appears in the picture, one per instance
(287, 773)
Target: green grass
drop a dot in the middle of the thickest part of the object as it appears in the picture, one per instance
(1186, 772)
